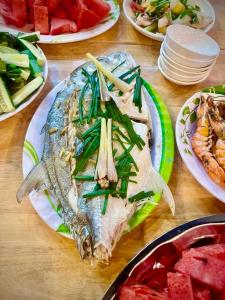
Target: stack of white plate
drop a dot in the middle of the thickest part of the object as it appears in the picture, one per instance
(187, 55)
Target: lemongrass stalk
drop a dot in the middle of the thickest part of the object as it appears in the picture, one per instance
(101, 168)
(120, 84)
(111, 170)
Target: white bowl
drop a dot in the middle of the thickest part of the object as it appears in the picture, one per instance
(185, 60)
(185, 127)
(179, 82)
(191, 43)
(180, 70)
(178, 76)
(205, 6)
(30, 99)
(184, 68)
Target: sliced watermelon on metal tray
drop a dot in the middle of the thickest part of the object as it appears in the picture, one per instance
(179, 286)
(59, 26)
(140, 292)
(100, 7)
(206, 269)
(41, 20)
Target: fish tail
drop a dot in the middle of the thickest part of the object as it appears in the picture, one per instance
(159, 185)
(34, 181)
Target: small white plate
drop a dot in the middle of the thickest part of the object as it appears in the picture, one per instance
(185, 128)
(205, 6)
(175, 80)
(85, 34)
(30, 99)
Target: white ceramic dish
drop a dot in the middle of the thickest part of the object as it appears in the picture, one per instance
(175, 80)
(206, 8)
(85, 34)
(185, 127)
(184, 60)
(184, 68)
(191, 43)
(180, 70)
(30, 99)
(178, 76)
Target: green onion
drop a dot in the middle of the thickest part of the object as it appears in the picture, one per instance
(130, 180)
(137, 98)
(124, 75)
(80, 102)
(118, 66)
(91, 129)
(84, 178)
(98, 193)
(105, 204)
(141, 195)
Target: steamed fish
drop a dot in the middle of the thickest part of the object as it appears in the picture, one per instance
(96, 159)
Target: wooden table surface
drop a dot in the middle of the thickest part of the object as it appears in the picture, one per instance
(37, 263)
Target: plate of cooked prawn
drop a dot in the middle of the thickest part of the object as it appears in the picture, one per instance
(200, 135)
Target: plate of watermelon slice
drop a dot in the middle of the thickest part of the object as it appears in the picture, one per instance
(59, 21)
(186, 263)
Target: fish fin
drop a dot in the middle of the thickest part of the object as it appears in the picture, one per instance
(159, 185)
(35, 180)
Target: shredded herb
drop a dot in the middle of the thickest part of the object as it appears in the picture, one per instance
(98, 193)
(119, 65)
(80, 102)
(137, 98)
(105, 204)
(141, 195)
(96, 126)
(84, 177)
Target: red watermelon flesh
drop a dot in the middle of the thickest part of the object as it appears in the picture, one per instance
(200, 293)
(60, 13)
(19, 9)
(139, 292)
(52, 5)
(206, 269)
(41, 20)
(216, 250)
(86, 19)
(5, 5)
(30, 10)
(59, 26)
(10, 19)
(179, 286)
(100, 7)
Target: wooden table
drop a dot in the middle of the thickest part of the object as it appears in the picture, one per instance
(37, 263)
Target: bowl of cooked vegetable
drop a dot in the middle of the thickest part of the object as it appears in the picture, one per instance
(152, 17)
(23, 72)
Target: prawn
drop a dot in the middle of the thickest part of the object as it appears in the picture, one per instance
(217, 121)
(203, 142)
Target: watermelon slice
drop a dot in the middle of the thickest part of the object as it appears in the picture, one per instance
(41, 20)
(30, 9)
(217, 250)
(59, 26)
(100, 7)
(19, 9)
(204, 268)
(200, 293)
(139, 292)
(5, 5)
(52, 5)
(179, 286)
(10, 19)
(60, 13)
(79, 13)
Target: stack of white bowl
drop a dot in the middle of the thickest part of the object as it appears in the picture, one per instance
(187, 55)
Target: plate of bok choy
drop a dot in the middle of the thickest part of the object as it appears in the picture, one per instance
(98, 154)
(23, 72)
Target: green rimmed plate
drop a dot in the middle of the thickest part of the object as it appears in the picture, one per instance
(162, 156)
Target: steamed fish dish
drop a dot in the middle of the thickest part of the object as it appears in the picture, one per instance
(96, 159)
(157, 15)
